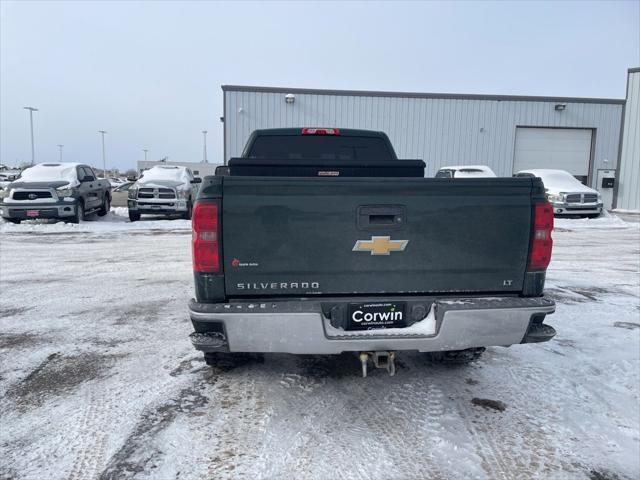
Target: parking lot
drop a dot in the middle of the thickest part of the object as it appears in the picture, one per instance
(99, 380)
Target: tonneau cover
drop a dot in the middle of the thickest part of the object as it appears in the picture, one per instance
(281, 167)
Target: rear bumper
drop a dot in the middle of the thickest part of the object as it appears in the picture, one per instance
(45, 210)
(299, 326)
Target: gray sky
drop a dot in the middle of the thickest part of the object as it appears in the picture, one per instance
(150, 72)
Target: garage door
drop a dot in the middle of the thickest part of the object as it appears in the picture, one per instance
(559, 148)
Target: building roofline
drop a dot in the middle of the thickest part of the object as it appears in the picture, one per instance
(633, 70)
(451, 96)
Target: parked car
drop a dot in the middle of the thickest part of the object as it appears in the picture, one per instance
(4, 181)
(321, 249)
(116, 182)
(163, 190)
(68, 191)
(7, 176)
(465, 171)
(120, 194)
(566, 193)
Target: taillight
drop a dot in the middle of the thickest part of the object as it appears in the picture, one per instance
(542, 242)
(205, 237)
(320, 131)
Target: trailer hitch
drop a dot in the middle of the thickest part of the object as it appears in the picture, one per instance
(381, 359)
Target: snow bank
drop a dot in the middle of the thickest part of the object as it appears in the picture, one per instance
(604, 221)
(117, 220)
(51, 172)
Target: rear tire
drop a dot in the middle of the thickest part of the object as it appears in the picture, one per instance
(134, 216)
(106, 206)
(14, 220)
(456, 357)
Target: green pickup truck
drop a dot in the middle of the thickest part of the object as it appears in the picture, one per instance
(322, 241)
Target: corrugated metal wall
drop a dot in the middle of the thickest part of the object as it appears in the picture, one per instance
(629, 174)
(441, 131)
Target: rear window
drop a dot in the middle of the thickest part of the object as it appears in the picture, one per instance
(320, 147)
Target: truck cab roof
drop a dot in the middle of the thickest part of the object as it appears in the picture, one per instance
(324, 143)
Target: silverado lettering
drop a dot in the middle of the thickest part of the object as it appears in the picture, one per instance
(278, 286)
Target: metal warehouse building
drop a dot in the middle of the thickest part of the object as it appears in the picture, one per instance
(628, 185)
(508, 133)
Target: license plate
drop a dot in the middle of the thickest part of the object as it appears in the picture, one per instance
(33, 213)
(367, 316)
(156, 207)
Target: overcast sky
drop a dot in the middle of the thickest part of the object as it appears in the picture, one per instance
(150, 72)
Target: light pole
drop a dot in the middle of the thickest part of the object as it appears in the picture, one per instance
(33, 150)
(204, 148)
(60, 147)
(145, 153)
(104, 157)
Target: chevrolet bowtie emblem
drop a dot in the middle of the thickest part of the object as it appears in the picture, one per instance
(380, 245)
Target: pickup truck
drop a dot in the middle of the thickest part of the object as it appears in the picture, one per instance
(65, 191)
(321, 241)
(163, 190)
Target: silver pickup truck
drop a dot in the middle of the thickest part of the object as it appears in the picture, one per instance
(65, 191)
(163, 190)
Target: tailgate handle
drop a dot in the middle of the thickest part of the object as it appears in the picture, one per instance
(381, 217)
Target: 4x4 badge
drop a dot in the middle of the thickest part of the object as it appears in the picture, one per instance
(380, 245)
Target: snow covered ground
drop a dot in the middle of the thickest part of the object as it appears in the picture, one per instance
(98, 378)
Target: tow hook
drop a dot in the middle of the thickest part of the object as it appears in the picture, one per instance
(383, 359)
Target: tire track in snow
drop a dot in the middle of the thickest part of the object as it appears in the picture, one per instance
(515, 440)
(361, 428)
(239, 414)
(89, 442)
(139, 450)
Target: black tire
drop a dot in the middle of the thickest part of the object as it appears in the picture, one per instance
(594, 215)
(14, 220)
(187, 215)
(134, 216)
(106, 206)
(228, 361)
(79, 215)
(456, 357)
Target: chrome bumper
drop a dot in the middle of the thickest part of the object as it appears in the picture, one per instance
(151, 205)
(300, 326)
(45, 210)
(577, 208)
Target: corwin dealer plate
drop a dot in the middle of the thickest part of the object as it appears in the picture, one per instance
(367, 316)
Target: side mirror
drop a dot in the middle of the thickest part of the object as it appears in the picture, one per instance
(88, 178)
(196, 180)
(222, 171)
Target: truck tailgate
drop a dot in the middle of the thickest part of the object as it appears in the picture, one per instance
(332, 236)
